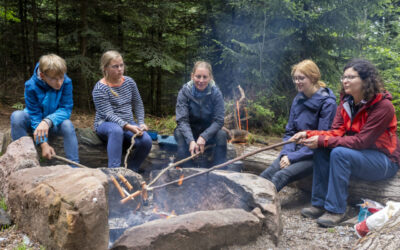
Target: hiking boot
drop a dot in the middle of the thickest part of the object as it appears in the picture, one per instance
(329, 219)
(312, 212)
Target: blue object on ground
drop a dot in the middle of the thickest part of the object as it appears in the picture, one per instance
(167, 140)
(153, 134)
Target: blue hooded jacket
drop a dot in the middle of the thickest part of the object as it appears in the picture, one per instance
(314, 113)
(42, 101)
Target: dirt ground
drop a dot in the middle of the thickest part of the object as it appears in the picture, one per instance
(298, 232)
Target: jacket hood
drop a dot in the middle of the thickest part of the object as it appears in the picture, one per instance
(187, 88)
(35, 77)
(314, 102)
(378, 97)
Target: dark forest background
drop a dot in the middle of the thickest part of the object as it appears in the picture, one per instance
(251, 43)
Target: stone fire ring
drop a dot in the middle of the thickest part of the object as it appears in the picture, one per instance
(217, 209)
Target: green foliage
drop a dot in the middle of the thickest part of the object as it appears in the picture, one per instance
(3, 204)
(18, 105)
(163, 125)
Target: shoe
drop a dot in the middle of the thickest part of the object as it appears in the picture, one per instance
(329, 219)
(312, 212)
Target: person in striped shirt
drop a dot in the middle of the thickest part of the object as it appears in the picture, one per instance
(115, 96)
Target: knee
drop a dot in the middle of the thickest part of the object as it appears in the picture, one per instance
(67, 127)
(220, 138)
(339, 153)
(146, 141)
(18, 117)
(115, 131)
(179, 138)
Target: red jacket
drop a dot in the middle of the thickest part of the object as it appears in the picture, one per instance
(373, 127)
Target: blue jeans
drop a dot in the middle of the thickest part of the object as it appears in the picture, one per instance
(334, 167)
(115, 137)
(219, 150)
(21, 125)
(281, 177)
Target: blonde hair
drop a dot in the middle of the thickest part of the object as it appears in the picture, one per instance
(106, 58)
(202, 64)
(311, 70)
(54, 63)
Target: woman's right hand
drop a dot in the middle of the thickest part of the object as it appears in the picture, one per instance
(194, 148)
(134, 129)
(298, 137)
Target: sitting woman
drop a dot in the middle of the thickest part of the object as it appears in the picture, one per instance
(114, 97)
(313, 107)
(362, 143)
(200, 115)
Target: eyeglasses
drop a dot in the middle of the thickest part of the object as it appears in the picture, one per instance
(117, 66)
(298, 78)
(350, 78)
(54, 79)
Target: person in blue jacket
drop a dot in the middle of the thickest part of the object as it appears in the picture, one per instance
(313, 108)
(48, 100)
(200, 115)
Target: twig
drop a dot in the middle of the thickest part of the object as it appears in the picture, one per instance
(221, 165)
(129, 150)
(177, 164)
(69, 161)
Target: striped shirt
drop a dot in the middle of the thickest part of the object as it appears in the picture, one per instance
(116, 105)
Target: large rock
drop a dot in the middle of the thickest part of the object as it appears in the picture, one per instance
(20, 154)
(198, 230)
(62, 207)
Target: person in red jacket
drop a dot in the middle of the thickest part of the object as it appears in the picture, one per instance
(362, 143)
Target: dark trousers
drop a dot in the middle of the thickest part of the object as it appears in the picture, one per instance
(281, 177)
(333, 169)
(219, 150)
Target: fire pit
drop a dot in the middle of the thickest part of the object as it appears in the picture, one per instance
(195, 211)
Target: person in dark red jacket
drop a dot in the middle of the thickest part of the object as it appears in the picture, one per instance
(362, 143)
(313, 107)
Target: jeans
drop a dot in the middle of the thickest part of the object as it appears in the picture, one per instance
(281, 177)
(21, 125)
(219, 150)
(334, 167)
(115, 137)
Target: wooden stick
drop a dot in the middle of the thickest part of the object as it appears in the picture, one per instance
(221, 165)
(177, 164)
(69, 161)
(125, 181)
(130, 197)
(118, 186)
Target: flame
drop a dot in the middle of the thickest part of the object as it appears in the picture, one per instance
(179, 168)
(180, 180)
(138, 206)
(173, 214)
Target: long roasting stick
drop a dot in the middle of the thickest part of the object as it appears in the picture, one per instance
(69, 161)
(177, 164)
(220, 165)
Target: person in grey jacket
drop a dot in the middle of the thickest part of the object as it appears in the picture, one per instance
(200, 115)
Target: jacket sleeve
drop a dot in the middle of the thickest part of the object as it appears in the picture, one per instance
(137, 104)
(182, 117)
(218, 117)
(379, 118)
(326, 115)
(64, 109)
(290, 130)
(103, 106)
(32, 105)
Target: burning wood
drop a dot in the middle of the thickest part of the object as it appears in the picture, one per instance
(130, 197)
(180, 179)
(121, 192)
(144, 191)
(126, 182)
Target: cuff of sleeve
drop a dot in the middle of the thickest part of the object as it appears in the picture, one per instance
(205, 137)
(323, 141)
(48, 121)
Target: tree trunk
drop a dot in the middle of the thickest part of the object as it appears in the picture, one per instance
(35, 32)
(83, 49)
(23, 39)
(57, 29)
(387, 237)
(120, 28)
(158, 92)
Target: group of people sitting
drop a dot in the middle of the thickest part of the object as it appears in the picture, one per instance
(356, 139)
(48, 97)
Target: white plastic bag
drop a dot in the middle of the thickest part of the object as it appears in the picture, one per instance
(378, 219)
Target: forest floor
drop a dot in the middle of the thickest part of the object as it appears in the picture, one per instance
(298, 232)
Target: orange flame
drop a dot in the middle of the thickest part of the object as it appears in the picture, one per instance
(180, 180)
(173, 214)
